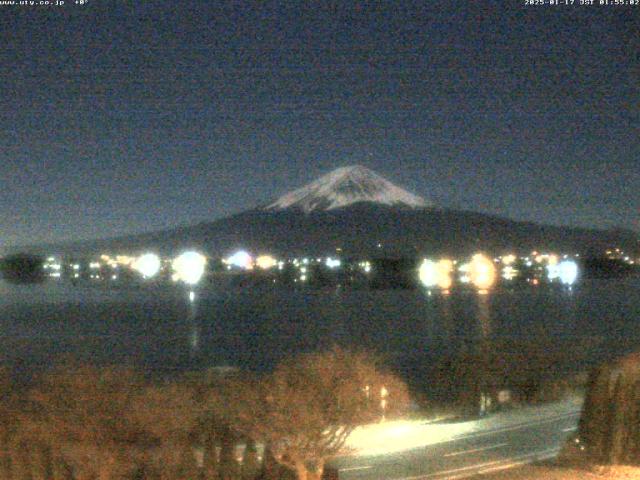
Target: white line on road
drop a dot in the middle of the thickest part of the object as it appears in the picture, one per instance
(353, 469)
(509, 463)
(506, 466)
(455, 470)
(480, 449)
(518, 426)
(486, 467)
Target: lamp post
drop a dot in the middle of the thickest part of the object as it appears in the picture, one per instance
(384, 393)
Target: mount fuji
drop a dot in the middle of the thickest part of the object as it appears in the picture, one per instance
(347, 186)
(357, 211)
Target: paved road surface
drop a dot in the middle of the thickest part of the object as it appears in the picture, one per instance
(496, 444)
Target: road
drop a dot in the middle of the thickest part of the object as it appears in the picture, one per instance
(501, 442)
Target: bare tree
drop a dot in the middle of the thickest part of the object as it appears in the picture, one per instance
(610, 421)
(78, 417)
(229, 400)
(310, 405)
(250, 463)
(167, 415)
(89, 423)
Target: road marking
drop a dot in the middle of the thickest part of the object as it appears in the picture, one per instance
(489, 430)
(570, 429)
(480, 468)
(446, 472)
(481, 449)
(506, 466)
(511, 463)
(353, 469)
(517, 426)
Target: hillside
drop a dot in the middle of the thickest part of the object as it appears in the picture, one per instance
(362, 214)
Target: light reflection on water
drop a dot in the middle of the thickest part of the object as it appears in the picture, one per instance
(192, 321)
(161, 328)
(484, 315)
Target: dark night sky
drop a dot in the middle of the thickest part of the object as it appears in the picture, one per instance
(121, 117)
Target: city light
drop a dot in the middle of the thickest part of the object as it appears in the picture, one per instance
(266, 262)
(509, 273)
(568, 272)
(445, 267)
(189, 267)
(482, 272)
(434, 274)
(148, 265)
(553, 272)
(240, 259)
(464, 273)
(53, 267)
(332, 262)
(509, 259)
(123, 260)
(428, 273)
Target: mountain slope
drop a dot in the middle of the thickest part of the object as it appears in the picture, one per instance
(362, 214)
(362, 229)
(346, 186)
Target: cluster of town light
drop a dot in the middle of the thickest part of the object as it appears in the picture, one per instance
(243, 260)
(618, 254)
(266, 262)
(240, 259)
(482, 272)
(148, 265)
(436, 274)
(566, 271)
(332, 262)
(189, 267)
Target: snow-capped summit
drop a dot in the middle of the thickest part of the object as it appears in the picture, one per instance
(346, 186)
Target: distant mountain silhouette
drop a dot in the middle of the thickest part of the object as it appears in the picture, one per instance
(361, 213)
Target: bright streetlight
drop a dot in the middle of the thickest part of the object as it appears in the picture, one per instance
(568, 272)
(148, 265)
(384, 393)
(482, 272)
(189, 267)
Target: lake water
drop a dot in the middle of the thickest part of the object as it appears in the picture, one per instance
(159, 329)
